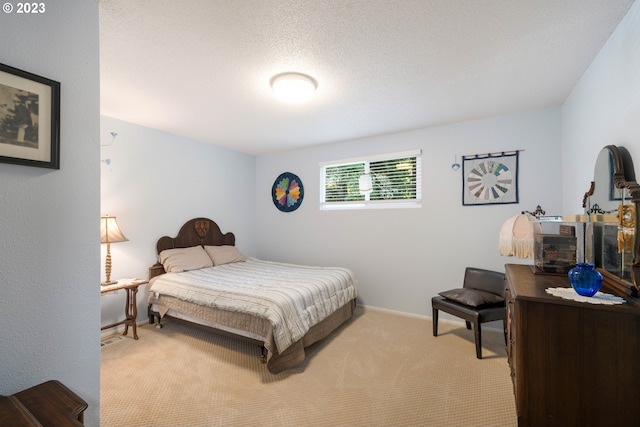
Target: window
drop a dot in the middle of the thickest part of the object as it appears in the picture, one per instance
(385, 181)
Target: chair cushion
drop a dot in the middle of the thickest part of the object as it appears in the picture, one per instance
(472, 297)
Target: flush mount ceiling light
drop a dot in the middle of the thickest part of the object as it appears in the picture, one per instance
(293, 87)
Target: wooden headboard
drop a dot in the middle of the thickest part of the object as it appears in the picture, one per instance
(195, 232)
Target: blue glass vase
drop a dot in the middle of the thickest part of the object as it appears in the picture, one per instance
(585, 279)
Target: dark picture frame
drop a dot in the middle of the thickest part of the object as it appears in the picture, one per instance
(29, 119)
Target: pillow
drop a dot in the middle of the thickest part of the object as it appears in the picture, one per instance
(472, 297)
(183, 259)
(224, 254)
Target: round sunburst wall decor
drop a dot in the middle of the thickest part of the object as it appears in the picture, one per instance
(490, 178)
(287, 192)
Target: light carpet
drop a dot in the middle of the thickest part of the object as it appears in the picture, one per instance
(378, 369)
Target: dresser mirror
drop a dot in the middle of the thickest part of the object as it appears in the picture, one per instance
(611, 208)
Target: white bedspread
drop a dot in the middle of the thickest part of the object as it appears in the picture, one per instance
(292, 297)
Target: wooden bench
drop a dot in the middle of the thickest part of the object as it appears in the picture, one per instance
(49, 404)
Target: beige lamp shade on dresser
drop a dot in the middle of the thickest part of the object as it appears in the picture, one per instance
(517, 236)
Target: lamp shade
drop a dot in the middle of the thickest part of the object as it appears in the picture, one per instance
(293, 87)
(517, 236)
(109, 230)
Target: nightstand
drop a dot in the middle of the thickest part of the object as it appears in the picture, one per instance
(130, 307)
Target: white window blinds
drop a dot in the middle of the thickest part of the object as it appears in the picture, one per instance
(384, 181)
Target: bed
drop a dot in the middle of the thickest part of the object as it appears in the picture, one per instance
(201, 277)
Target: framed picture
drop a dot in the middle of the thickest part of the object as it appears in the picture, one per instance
(490, 179)
(29, 119)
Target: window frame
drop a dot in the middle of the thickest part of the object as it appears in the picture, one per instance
(367, 203)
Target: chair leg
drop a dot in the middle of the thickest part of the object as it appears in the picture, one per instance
(435, 321)
(468, 324)
(478, 335)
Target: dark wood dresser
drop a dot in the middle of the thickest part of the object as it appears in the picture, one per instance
(572, 363)
(50, 404)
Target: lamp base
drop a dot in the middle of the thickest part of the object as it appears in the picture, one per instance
(110, 282)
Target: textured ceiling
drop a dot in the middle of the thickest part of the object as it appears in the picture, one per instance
(201, 68)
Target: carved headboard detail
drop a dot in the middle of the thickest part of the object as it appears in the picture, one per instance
(202, 227)
(195, 232)
(198, 231)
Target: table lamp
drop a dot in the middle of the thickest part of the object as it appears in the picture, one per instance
(110, 233)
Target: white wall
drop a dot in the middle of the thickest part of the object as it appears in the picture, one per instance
(603, 108)
(155, 182)
(49, 226)
(403, 257)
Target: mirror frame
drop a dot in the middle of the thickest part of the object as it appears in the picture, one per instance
(623, 177)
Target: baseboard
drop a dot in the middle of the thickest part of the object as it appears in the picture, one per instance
(442, 318)
(119, 329)
(399, 313)
(495, 325)
(412, 315)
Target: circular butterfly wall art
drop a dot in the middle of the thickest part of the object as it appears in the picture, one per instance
(287, 192)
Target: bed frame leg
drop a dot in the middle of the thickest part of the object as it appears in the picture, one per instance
(152, 317)
(263, 354)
